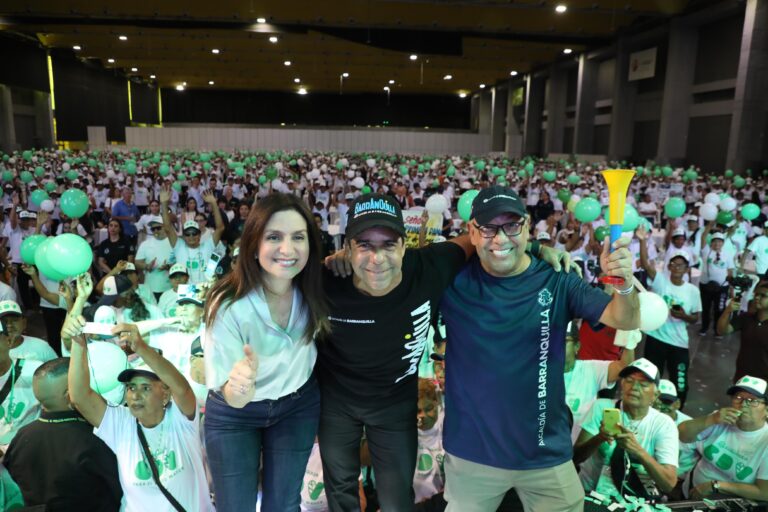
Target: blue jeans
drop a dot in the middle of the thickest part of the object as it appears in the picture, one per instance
(281, 430)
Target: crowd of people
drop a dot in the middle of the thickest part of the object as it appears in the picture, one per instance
(345, 332)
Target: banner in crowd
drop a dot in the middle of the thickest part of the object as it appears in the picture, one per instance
(413, 219)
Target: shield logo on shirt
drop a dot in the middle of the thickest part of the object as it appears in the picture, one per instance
(545, 298)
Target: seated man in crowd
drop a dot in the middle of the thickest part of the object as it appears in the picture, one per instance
(57, 461)
(668, 403)
(642, 458)
(733, 444)
(178, 275)
(23, 346)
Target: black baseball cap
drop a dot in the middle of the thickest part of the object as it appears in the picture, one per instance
(374, 210)
(494, 201)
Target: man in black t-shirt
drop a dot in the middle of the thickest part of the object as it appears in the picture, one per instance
(368, 366)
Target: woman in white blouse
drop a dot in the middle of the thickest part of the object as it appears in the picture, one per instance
(261, 320)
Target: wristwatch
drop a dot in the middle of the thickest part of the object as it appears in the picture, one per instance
(715, 486)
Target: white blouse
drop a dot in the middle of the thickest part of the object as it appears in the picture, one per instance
(286, 359)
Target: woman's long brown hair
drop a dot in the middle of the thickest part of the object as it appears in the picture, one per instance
(247, 273)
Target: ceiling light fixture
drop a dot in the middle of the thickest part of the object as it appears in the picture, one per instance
(261, 20)
(210, 82)
(386, 89)
(122, 38)
(567, 51)
(345, 74)
(561, 8)
(287, 63)
(462, 95)
(152, 77)
(482, 86)
(413, 56)
(513, 73)
(215, 51)
(135, 70)
(297, 80)
(111, 61)
(273, 39)
(302, 91)
(391, 82)
(77, 48)
(184, 84)
(179, 87)
(448, 77)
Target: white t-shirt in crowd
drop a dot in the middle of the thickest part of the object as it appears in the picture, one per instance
(7, 293)
(159, 250)
(195, 259)
(429, 478)
(177, 348)
(33, 348)
(313, 498)
(674, 331)
(714, 268)
(656, 433)
(20, 407)
(729, 454)
(759, 247)
(687, 456)
(174, 443)
(581, 387)
(15, 237)
(286, 359)
(167, 302)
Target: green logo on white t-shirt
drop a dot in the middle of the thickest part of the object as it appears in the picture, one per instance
(425, 462)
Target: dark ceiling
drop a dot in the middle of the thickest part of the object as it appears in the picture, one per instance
(476, 42)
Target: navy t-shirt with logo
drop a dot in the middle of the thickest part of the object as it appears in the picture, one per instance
(505, 391)
(372, 355)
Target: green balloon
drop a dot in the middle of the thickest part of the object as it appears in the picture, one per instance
(39, 171)
(29, 247)
(404, 170)
(181, 176)
(271, 173)
(729, 173)
(529, 168)
(240, 171)
(130, 167)
(205, 157)
(38, 196)
(70, 255)
(451, 171)
(573, 179)
(72, 175)
(521, 174)
(164, 169)
(549, 176)
(27, 155)
(631, 218)
(207, 166)
(42, 261)
(750, 211)
(587, 210)
(420, 168)
(674, 208)
(26, 176)
(601, 233)
(724, 217)
(502, 182)
(739, 182)
(666, 171)
(176, 186)
(366, 189)
(564, 195)
(74, 203)
(50, 186)
(465, 204)
(262, 179)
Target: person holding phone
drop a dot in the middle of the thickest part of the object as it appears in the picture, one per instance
(667, 346)
(628, 447)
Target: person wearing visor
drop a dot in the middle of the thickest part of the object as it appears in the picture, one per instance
(156, 438)
(189, 250)
(639, 454)
(733, 445)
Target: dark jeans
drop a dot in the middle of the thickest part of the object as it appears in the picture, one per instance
(282, 431)
(392, 441)
(675, 359)
(713, 298)
(54, 320)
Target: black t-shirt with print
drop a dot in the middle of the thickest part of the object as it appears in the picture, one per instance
(373, 352)
(113, 252)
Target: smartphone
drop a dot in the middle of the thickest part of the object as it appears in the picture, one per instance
(677, 307)
(98, 328)
(611, 418)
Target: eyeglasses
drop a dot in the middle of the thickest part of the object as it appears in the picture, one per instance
(749, 402)
(510, 229)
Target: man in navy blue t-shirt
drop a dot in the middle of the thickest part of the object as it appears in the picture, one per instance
(507, 423)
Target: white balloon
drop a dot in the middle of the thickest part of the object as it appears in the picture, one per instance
(653, 311)
(324, 167)
(65, 166)
(344, 162)
(279, 166)
(47, 206)
(358, 182)
(314, 174)
(728, 204)
(34, 159)
(350, 174)
(436, 204)
(11, 160)
(712, 198)
(708, 211)
(371, 162)
(106, 361)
